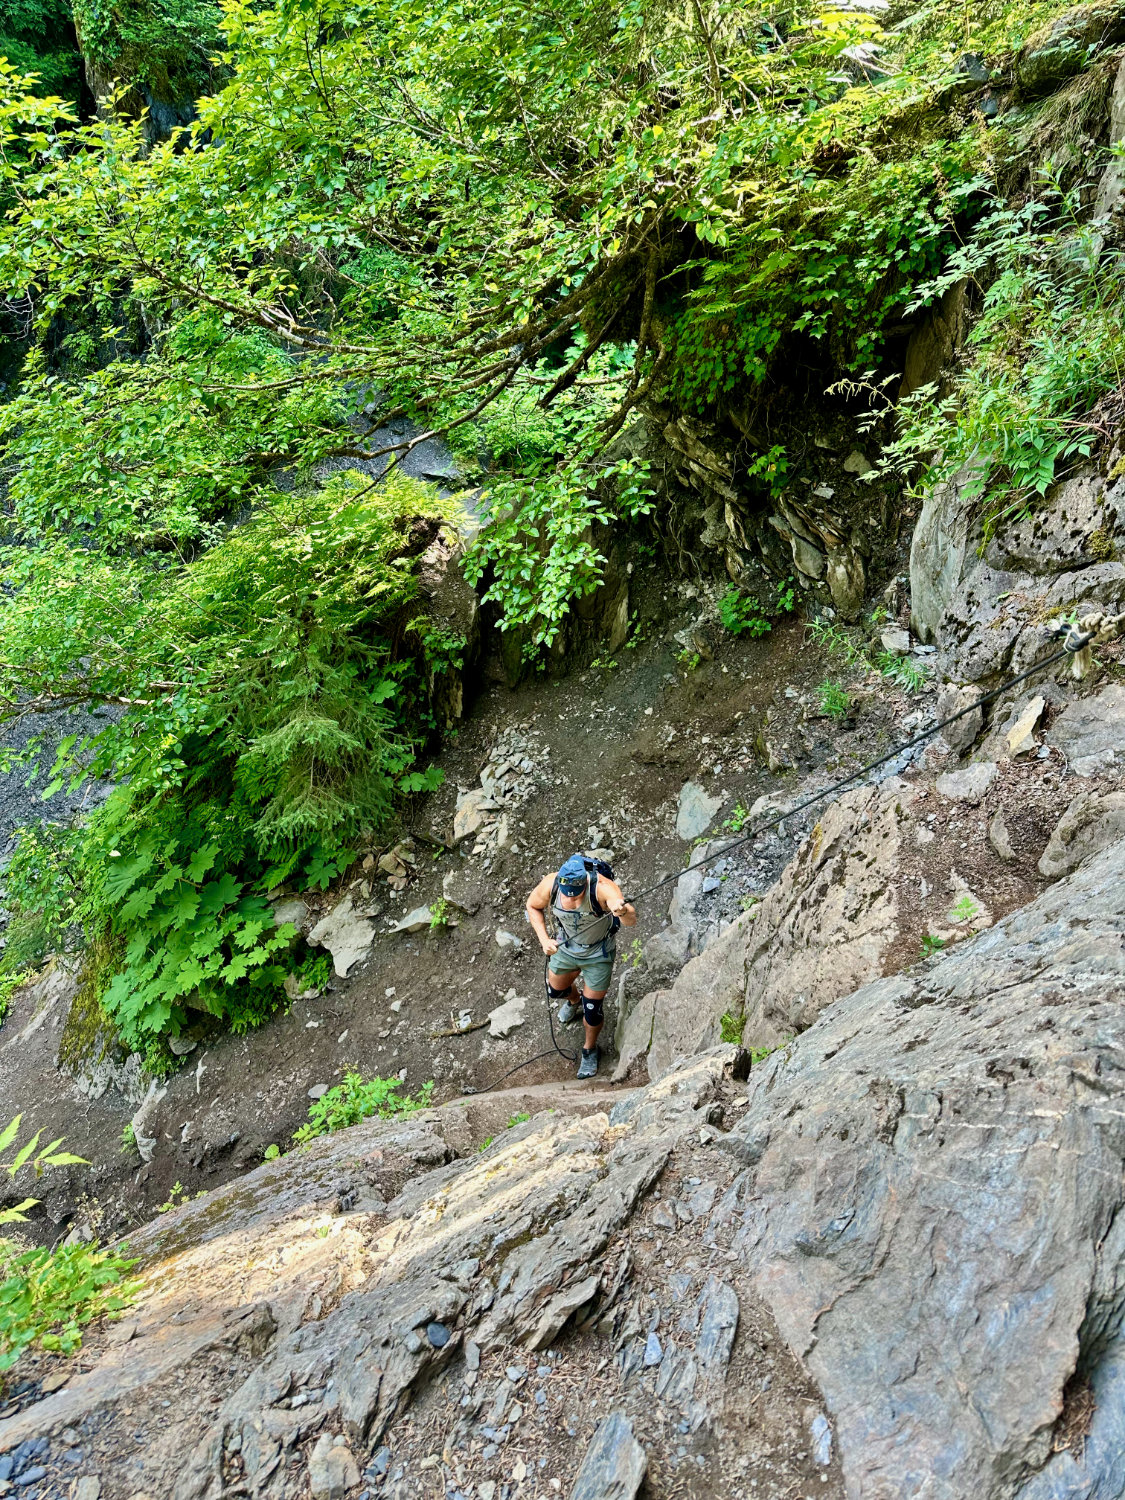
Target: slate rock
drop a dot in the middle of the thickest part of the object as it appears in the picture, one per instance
(970, 784)
(895, 641)
(1020, 738)
(719, 1305)
(1090, 732)
(345, 934)
(1000, 837)
(332, 1469)
(473, 811)
(89, 1487)
(1088, 826)
(695, 812)
(821, 1433)
(935, 1108)
(613, 1465)
(506, 1017)
(461, 888)
(418, 920)
(962, 734)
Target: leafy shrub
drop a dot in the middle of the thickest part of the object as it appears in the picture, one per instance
(730, 1027)
(48, 1297)
(289, 707)
(1049, 342)
(741, 612)
(931, 944)
(738, 818)
(354, 1100)
(32, 1155)
(834, 700)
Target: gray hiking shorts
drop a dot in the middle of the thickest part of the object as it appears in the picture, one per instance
(594, 966)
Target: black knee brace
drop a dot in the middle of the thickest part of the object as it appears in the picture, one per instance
(592, 1012)
(558, 994)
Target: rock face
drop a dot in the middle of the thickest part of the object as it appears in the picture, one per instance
(1064, 45)
(1089, 825)
(923, 1194)
(985, 603)
(1091, 731)
(933, 1204)
(821, 931)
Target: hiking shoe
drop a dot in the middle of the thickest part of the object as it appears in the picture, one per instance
(569, 1012)
(588, 1063)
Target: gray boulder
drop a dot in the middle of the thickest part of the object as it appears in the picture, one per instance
(1091, 731)
(1088, 826)
(934, 1196)
(970, 783)
(695, 811)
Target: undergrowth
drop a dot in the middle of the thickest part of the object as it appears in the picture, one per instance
(47, 1297)
(1048, 345)
(357, 1099)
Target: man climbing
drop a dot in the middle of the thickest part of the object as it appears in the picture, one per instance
(588, 907)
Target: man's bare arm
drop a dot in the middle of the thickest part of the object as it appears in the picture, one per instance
(614, 901)
(537, 904)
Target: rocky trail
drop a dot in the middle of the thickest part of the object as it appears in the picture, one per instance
(640, 759)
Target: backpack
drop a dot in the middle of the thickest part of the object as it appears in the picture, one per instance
(594, 868)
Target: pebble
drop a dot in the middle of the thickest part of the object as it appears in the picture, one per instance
(472, 1355)
(438, 1334)
(318, 1091)
(653, 1352)
(29, 1476)
(515, 1373)
(540, 1398)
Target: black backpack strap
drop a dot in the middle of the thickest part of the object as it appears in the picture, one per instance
(592, 887)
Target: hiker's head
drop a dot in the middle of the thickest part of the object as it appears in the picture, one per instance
(572, 877)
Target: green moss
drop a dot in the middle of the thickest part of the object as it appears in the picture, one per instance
(1100, 545)
(89, 1033)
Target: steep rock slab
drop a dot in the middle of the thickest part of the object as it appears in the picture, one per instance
(330, 1284)
(823, 930)
(933, 1201)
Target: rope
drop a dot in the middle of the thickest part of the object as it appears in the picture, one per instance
(1091, 630)
(1075, 642)
(539, 1056)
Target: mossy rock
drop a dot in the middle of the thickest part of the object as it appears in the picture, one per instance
(1064, 46)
